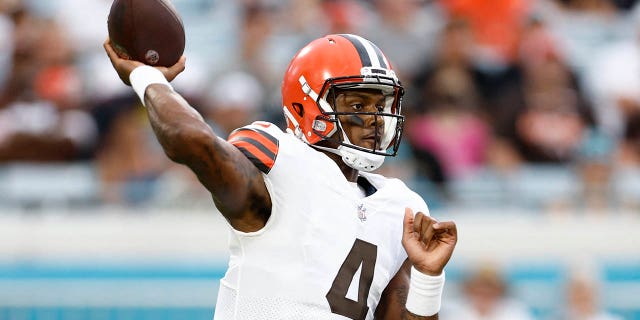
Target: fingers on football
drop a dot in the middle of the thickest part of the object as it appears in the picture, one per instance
(114, 58)
(175, 69)
(109, 49)
(182, 63)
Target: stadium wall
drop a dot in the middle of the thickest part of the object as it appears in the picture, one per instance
(138, 264)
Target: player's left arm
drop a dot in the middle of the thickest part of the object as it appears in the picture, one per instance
(394, 298)
(429, 245)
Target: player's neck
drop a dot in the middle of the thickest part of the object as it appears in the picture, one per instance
(350, 173)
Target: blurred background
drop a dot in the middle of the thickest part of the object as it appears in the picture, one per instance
(523, 125)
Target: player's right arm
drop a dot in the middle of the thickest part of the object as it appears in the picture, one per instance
(235, 183)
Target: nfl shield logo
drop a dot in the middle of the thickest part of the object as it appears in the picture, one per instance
(362, 212)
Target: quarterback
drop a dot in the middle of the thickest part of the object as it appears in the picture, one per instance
(314, 234)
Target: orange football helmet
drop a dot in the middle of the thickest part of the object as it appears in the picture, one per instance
(343, 62)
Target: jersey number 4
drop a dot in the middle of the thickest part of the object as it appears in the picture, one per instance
(362, 253)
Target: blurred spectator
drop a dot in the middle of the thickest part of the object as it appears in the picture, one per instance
(613, 79)
(444, 127)
(595, 168)
(44, 131)
(405, 30)
(343, 16)
(496, 26)
(582, 299)
(6, 46)
(266, 43)
(256, 29)
(550, 127)
(234, 100)
(486, 297)
(130, 160)
(41, 108)
(259, 37)
(630, 145)
(177, 187)
(626, 174)
(85, 25)
(25, 31)
(451, 128)
(496, 92)
(551, 116)
(85, 22)
(583, 27)
(455, 45)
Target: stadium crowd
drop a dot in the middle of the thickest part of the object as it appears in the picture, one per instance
(509, 103)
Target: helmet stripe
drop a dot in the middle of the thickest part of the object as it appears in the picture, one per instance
(362, 50)
(381, 58)
(370, 54)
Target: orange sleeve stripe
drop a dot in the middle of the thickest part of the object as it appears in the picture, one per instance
(260, 136)
(257, 157)
(258, 146)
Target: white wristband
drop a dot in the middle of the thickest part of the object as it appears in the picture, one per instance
(144, 76)
(425, 293)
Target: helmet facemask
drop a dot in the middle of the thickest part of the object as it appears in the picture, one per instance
(387, 120)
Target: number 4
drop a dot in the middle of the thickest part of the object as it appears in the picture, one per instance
(362, 253)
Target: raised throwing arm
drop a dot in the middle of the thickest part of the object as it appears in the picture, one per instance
(236, 185)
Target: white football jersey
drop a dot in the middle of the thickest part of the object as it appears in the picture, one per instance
(325, 252)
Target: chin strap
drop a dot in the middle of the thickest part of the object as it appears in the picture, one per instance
(360, 160)
(356, 159)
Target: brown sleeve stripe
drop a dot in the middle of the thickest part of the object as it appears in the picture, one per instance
(257, 145)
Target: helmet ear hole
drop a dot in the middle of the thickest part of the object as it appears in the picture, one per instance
(298, 108)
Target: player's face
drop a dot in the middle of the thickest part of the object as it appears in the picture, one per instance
(364, 130)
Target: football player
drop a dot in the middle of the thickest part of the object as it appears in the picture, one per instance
(313, 233)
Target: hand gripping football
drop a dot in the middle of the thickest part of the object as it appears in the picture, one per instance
(149, 31)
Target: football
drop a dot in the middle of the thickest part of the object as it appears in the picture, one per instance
(149, 31)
